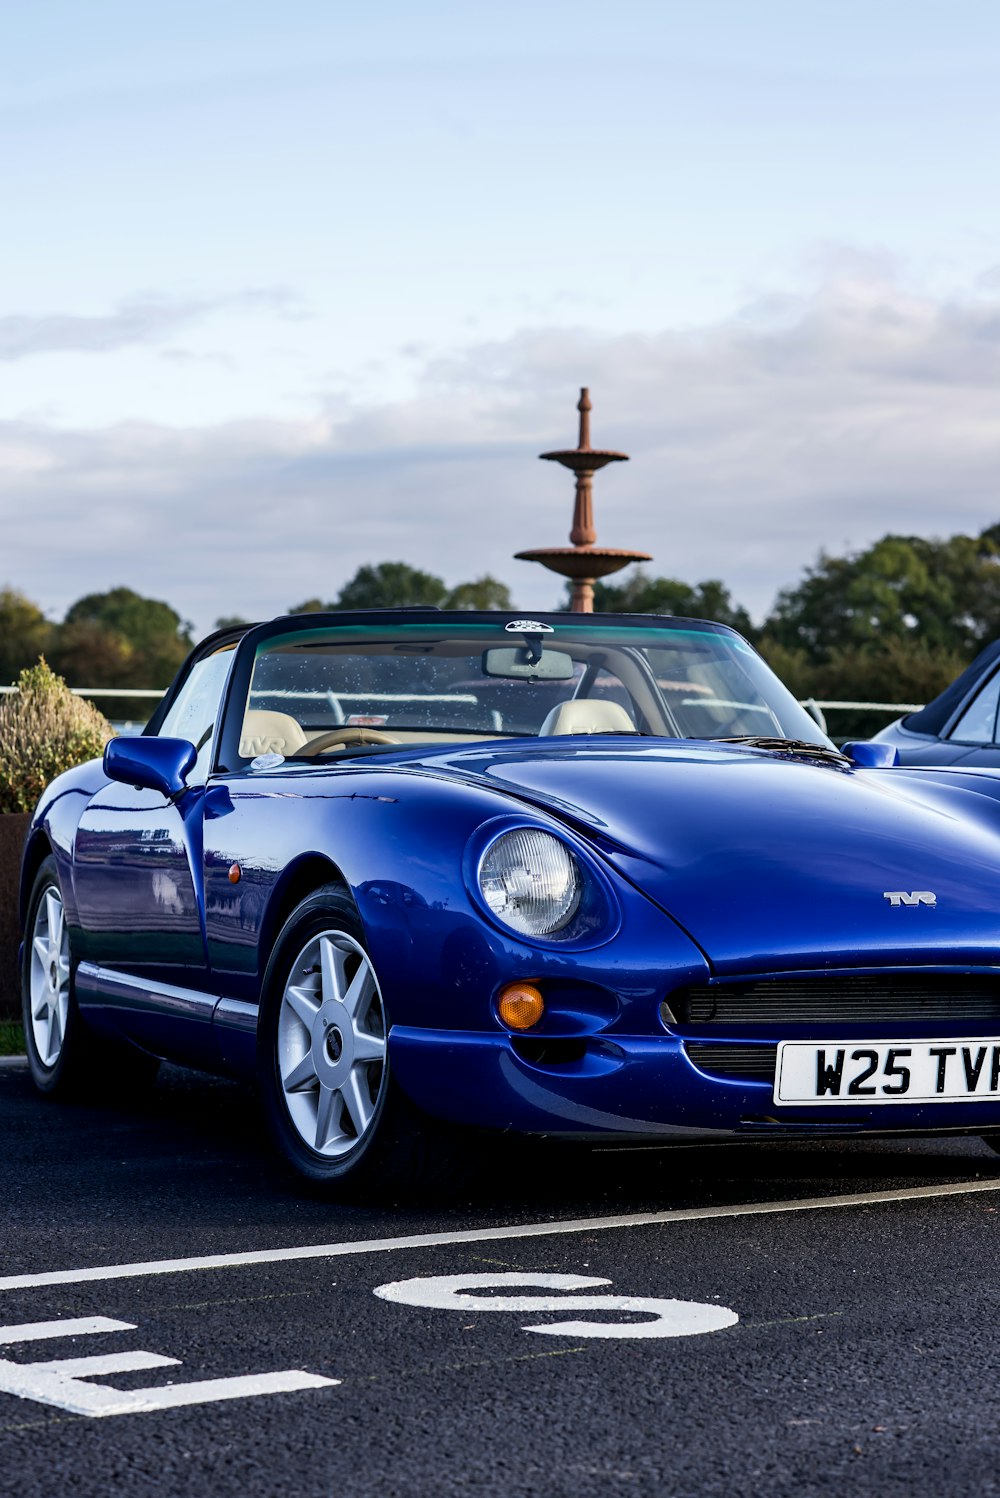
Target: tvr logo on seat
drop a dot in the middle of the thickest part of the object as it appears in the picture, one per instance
(897, 897)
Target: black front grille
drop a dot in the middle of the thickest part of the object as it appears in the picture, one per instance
(753, 1062)
(959, 1001)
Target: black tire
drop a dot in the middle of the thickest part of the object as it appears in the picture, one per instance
(79, 1063)
(398, 1149)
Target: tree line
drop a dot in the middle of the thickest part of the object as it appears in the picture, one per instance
(895, 621)
(122, 639)
(892, 622)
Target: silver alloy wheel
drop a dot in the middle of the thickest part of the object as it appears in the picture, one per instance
(332, 1043)
(48, 981)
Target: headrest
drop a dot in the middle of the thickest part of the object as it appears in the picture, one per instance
(585, 715)
(269, 733)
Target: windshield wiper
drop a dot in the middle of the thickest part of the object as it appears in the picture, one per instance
(788, 746)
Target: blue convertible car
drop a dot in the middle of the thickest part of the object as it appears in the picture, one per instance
(591, 876)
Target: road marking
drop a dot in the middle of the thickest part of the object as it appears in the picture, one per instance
(62, 1382)
(671, 1318)
(486, 1235)
(77, 1326)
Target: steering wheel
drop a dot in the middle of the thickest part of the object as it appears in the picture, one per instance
(352, 734)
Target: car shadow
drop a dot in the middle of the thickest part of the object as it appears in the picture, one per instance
(190, 1161)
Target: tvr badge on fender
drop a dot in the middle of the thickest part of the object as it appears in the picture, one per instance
(897, 897)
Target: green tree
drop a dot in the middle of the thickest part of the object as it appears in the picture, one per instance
(388, 585)
(25, 634)
(895, 622)
(484, 592)
(91, 655)
(642, 594)
(898, 671)
(942, 594)
(120, 638)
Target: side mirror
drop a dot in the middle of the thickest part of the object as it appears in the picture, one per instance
(150, 764)
(871, 756)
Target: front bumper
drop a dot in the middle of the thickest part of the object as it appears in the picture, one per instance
(632, 1088)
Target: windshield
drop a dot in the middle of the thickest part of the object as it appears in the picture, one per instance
(327, 691)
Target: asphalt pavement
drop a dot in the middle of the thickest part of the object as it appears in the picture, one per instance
(179, 1316)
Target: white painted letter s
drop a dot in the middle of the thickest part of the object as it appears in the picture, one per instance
(449, 1292)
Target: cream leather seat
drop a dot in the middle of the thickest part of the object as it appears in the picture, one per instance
(269, 733)
(582, 715)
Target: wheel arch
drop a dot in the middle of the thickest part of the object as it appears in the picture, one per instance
(37, 850)
(310, 872)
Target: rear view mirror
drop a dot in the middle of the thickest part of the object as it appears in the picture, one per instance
(528, 662)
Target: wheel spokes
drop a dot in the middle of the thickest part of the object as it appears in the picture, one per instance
(49, 977)
(333, 966)
(302, 1077)
(63, 1007)
(53, 914)
(362, 987)
(331, 1091)
(304, 1004)
(368, 1047)
(357, 1100)
(55, 1035)
(328, 1110)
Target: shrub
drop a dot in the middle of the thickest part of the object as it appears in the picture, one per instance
(44, 730)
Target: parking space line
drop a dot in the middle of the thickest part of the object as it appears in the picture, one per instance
(488, 1235)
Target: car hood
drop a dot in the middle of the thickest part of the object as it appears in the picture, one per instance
(774, 862)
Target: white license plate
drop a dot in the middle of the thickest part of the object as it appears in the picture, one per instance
(870, 1072)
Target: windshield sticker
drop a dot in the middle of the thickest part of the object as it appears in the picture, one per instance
(528, 627)
(367, 720)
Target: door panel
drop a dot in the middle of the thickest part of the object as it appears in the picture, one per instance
(139, 892)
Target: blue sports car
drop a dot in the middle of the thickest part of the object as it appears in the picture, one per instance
(600, 877)
(961, 726)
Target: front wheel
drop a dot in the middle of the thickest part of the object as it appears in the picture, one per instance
(323, 1059)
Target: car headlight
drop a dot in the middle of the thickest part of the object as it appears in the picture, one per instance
(531, 881)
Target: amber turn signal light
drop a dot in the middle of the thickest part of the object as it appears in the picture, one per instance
(520, 1005)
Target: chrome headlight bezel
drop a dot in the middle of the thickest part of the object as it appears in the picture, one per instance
(596, 914)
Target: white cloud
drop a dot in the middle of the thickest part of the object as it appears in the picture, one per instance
(821, 422)
(139, 320)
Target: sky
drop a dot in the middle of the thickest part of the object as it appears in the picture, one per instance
(285, 289)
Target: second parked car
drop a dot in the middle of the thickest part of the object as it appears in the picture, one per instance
(960, 727)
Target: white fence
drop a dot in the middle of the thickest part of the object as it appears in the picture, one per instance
(817, 707)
